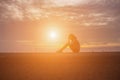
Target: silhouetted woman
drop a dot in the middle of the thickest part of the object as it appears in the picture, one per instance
(73, 43)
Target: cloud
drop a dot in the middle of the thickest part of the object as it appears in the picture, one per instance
(60, 3)
(37, 9)
(82, 13)
(19, 9)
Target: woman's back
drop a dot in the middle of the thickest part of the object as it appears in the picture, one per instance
(74, 43)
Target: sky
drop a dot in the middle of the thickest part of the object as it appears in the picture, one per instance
(25, 25)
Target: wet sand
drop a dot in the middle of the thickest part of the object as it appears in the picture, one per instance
(60, 66)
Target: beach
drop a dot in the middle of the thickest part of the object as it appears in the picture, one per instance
(60, 66)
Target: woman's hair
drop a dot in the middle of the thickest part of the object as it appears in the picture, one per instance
(71, 36)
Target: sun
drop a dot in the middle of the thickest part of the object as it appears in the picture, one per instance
(53, 32)
(53, 35)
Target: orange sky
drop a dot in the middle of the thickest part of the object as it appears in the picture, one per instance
(26, 25)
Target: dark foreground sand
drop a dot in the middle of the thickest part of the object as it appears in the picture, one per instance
(57, 66)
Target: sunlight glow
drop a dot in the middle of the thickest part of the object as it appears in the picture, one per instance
(53, 35)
